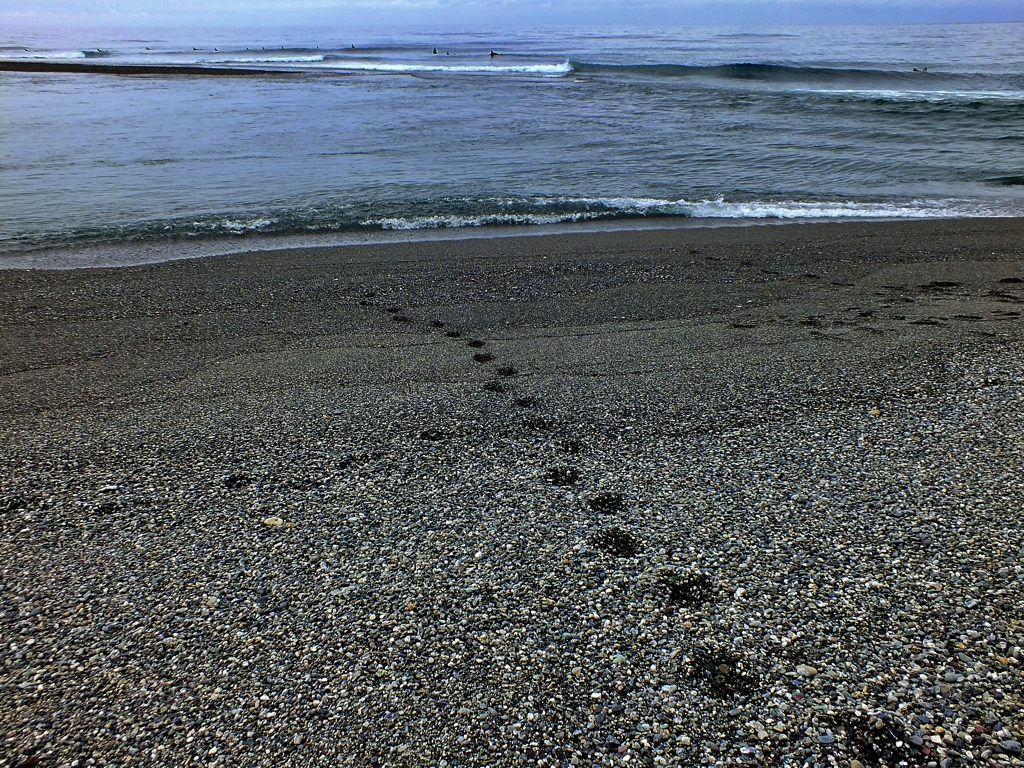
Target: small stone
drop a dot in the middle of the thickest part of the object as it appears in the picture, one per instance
(273, 522)
(618, 658)
(804, 670)
(856, 764)
(1010, 746)
(874, 412)
(827, 738)
(297, 739)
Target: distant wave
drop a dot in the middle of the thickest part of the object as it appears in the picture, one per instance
(60, 55)
(265, 59)
(1008, 181)
(97, 54)
(772, 73)
(400, 67)
(938, 96)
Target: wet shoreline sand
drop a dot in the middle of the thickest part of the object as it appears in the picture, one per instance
(702, 496)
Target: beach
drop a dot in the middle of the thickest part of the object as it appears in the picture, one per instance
(692, 496)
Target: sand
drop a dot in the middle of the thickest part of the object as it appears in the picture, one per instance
(694, 496)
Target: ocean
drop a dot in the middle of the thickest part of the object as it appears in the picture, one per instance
(216, 137)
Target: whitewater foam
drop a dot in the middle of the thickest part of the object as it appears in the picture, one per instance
(920, 96)
(402, 68)
(580, 209)
(265, 60)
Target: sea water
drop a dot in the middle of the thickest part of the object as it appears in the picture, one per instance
(320, 132)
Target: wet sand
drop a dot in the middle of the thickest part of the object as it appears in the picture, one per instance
(688, 496)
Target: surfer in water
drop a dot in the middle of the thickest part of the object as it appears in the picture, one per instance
(435, 51)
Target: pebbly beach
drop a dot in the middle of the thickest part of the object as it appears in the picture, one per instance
(705, 496)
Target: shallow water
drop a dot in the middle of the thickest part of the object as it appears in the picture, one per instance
(695, 123)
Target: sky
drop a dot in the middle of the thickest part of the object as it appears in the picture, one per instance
(494, 13)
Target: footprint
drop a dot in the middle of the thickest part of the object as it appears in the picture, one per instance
(432, 433)
(527, 402)
(506, 370)
(570, 445)
(687, 589)
(453, 334)
(475, 343)
(725, 674)
(541, 423)
(607, 502)
(616, 542)
(483, 357)
(494, 386)
(437, 324)
(815, 321)
(562, 475)
(237, 480)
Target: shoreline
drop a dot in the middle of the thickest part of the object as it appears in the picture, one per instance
(82, 68)
(699, 496)
(139, 253)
